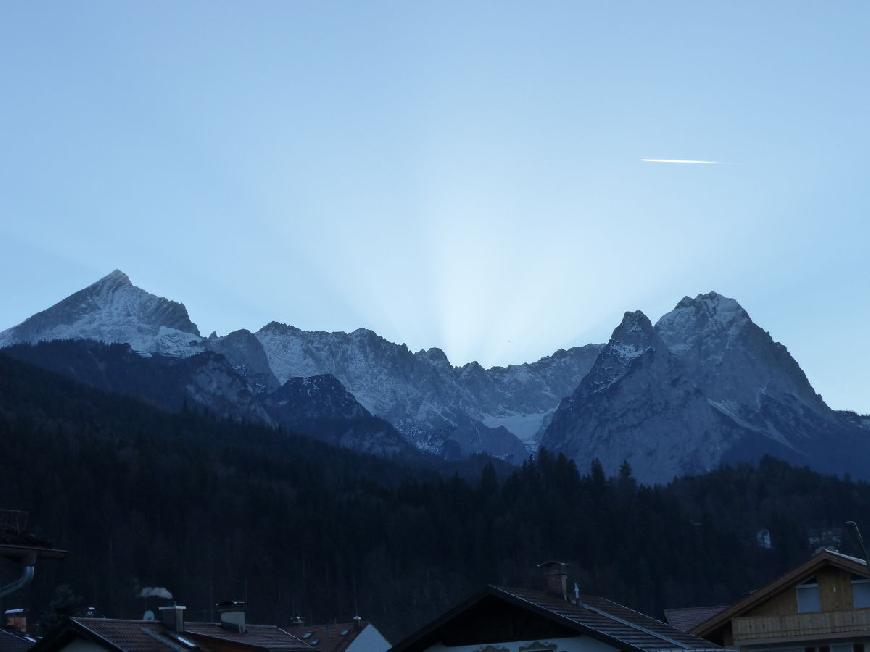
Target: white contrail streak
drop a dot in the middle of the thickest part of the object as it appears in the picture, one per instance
(680, 161)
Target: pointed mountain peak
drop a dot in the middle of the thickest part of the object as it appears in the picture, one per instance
(112, 310)
(635, 328)
(111, 281)
(116, 276)
(722, 309)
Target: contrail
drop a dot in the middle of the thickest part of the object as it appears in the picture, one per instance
(681, 161)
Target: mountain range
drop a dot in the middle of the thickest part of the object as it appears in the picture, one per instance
(703, 386)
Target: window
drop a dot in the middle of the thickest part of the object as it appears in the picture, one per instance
(861, 593)
(808, 597)
(858, 647)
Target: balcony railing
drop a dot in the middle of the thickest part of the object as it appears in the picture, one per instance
(802, 626)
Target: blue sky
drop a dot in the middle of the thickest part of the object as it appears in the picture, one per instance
(458, 174)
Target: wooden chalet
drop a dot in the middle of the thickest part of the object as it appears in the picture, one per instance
(822, 605)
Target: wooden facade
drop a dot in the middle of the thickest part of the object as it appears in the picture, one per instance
(771, 617)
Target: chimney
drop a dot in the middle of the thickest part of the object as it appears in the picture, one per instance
(16, 619)
(556, 578)
(357, 623)
(172, 617)
(232, 615)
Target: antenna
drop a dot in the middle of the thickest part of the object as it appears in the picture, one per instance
(857, 533)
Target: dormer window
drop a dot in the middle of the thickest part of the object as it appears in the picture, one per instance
(808, 600)
(860, 592)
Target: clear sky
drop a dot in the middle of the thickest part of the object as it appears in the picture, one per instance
(466, 175)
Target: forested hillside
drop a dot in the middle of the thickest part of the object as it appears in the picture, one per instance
(216, 509)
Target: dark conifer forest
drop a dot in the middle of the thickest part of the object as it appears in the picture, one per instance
(217, 510)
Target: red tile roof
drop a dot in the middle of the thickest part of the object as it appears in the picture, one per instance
(131, 635)
(264, 637)
(328, 638)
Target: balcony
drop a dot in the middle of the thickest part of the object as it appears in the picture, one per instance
(824, 625)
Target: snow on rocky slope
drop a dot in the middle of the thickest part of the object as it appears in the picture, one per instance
(704, 386)
(439, 408)
(113, 310)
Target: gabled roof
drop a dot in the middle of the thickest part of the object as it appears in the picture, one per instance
(335, 637)
(599, 618)
(118, 635)
(821, 559)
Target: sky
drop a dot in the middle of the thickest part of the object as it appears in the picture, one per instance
(498, 179)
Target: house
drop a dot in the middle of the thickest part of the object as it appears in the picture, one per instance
(171, 634)
(501, 619)
(355, 636)
(822, 605)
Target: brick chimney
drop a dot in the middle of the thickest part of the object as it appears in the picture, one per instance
(172, 617)
(555, 578)
(16, 619)
(232, 615)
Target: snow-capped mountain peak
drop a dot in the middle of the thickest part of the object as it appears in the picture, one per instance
(113, 310)
(705, 316)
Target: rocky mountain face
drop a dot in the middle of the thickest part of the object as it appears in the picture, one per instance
(319, 406)
(441, 409)
(704, 386)
(172, 383)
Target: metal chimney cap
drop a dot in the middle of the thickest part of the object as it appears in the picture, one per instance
(553, 563)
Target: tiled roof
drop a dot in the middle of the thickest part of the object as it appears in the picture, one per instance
(13, 641)
(621, 625)
(327, 638)
(131, 635)
(687, 619)
(153, 636)
(266, 637)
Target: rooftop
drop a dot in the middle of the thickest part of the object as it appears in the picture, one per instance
(610, 622)
(335, 637)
